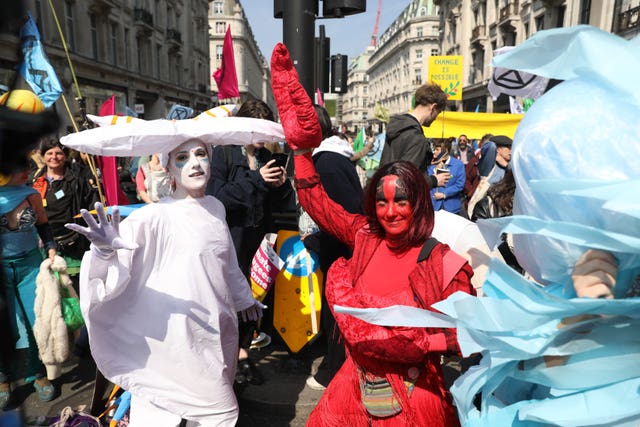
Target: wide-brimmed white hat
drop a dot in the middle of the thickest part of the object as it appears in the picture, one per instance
(129, 136)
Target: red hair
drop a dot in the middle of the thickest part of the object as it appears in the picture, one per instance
(418, 195)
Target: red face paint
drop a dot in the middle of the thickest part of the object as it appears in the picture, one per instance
(393, 209)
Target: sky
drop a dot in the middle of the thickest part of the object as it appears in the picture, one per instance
(349, 35)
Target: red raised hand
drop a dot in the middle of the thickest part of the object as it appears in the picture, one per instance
(299, 119)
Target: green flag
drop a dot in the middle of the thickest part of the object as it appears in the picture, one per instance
(358, 143)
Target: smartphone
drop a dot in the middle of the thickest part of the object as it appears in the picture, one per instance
(441, 170)
(281, 159)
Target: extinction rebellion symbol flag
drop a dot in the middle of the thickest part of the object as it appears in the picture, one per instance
(515, 83)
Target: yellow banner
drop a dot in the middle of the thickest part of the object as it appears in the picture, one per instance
(474, 125)
(446, 71)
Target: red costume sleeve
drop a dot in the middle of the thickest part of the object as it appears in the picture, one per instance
(330, 216)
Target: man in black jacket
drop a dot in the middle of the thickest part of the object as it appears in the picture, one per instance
(405, 139)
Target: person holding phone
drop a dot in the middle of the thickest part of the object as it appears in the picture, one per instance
(448, 196)
(250, 183)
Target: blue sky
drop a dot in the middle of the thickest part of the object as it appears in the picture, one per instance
(349, 36)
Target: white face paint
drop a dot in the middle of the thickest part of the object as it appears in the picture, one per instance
(189, 166)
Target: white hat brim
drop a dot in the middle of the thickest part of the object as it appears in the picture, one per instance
(143, 138)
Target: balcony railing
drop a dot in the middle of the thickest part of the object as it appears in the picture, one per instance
(509, 10)
(478, 32)
(629, 19)
(508, 15)
(142, 16)
(143, 21)
(174, 35)
(101, 6)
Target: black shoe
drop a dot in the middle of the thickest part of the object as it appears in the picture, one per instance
(247, 372)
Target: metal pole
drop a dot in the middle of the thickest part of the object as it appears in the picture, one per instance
(298, 29)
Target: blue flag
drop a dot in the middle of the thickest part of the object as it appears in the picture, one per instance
(179, 112)
(129, 112)
(35, 68)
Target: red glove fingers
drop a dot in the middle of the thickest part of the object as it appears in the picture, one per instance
(298, 117)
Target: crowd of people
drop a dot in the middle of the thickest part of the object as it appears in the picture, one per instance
(408, 234)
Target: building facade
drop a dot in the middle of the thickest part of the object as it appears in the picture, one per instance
(355, 102)
(254, 76)
(399, 63)
(150, 54)
(476, 28)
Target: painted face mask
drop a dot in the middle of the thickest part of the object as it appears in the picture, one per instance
(189, 166)
(393, 208)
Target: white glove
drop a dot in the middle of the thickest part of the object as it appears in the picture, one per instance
(594, 274)
(253, 312)
(104, 235)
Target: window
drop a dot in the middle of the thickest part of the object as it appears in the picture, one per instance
(221, 27)
(94, 36)
(171, 17)
(126, 48)
(218, 52)
(418, 74)
(158, 59)
(435, 52)
(585, 11)
(418, 54)
(158, 11)
(177, 65)
(509, 39)
(139, 47)
(561, 12)
(114, 44)
(218, 8)
(539, 23)
(419, 31)
(68, 25)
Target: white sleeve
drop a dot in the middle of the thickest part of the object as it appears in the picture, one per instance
(238, 285)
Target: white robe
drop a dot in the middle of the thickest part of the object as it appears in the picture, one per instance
(162, 318)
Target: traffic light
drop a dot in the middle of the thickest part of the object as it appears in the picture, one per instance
(339, 73)
(341, 8)
(323, 58)
(278, 7)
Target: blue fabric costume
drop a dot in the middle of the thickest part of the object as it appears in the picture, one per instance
(576, 161)
(20, 263)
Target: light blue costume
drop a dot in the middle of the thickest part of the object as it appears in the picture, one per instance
(20, 264)
(576, 160)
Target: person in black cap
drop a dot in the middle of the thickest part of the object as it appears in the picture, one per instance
(503, 157)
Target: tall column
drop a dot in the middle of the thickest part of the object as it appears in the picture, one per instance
(298, 28)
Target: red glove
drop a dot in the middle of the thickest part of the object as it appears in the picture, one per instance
(298, 117)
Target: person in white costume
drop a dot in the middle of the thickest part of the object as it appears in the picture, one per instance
(160, 292)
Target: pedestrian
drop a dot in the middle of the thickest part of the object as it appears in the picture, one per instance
(405, 139)
(391, 376)
(153, 181)
(250, 185)
(160, 292)
(332, 160)
(448, 196)
(64, 190)
(21, 217)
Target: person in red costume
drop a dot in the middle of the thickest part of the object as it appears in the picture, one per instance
(392, 376)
